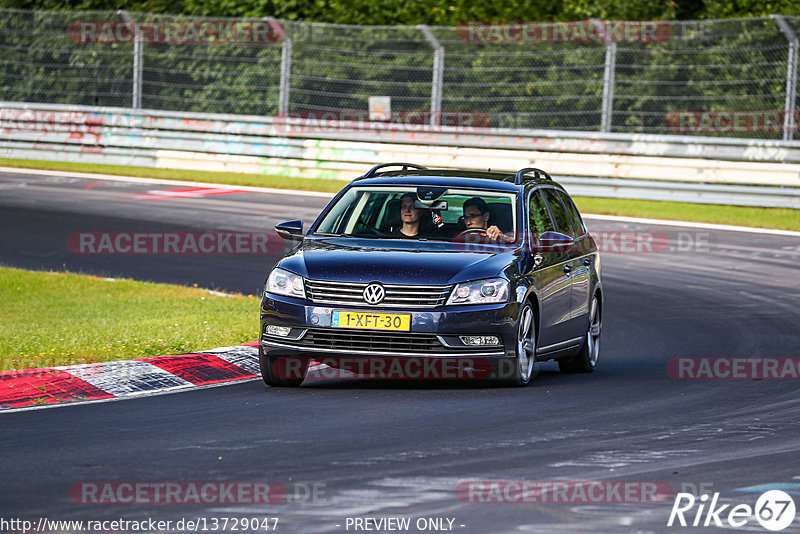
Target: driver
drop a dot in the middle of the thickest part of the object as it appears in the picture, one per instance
(476, 215)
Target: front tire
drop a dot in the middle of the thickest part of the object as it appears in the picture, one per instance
(276, 372)
(523, 367)
(586, 360)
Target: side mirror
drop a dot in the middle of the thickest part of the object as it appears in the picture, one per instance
(555, 242)
(291, 230)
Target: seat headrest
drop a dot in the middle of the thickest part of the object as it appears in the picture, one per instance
(392, 218)
(500, 216)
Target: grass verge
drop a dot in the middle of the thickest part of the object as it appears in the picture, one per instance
(779, 218)
(49, 319)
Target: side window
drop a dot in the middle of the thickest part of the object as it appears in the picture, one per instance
(539, 218)
(375, 205)
(335, 221)
(559, 213)
(574, 215)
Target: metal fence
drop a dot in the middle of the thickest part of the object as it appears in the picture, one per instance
(734, 78)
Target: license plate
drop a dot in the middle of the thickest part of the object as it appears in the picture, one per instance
(371, 321)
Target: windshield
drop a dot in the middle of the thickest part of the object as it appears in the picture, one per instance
(430, 213)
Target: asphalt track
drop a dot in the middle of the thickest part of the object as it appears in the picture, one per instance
(379, 449)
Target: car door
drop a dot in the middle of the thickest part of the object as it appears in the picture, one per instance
(581, 259)
(550, 275)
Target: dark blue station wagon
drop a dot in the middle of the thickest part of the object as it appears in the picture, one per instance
(419, 264)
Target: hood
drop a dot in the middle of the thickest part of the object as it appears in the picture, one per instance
(396, 262)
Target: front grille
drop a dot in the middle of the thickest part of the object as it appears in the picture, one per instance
(397, 295)
(373, 341)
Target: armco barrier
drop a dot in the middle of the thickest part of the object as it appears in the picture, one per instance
(273, 145)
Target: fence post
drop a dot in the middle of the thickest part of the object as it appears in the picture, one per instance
(138, 50)
(437, 75)
(286, 64)
(608, 86)
(608, 82)
(789, 123)
(607, 106)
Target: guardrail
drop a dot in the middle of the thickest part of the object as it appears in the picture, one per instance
(342, 150)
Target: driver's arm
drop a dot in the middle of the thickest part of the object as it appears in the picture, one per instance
(493, 232)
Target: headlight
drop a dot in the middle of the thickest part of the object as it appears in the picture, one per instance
(283, 282)
(480, 292)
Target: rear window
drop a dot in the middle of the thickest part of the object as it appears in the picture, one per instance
(558, 212)
(574, 214)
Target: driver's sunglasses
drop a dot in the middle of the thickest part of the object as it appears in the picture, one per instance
(470, 217)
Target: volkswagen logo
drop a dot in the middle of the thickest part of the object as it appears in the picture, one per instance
(374, 293)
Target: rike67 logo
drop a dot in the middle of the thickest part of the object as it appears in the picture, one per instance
(774, 510)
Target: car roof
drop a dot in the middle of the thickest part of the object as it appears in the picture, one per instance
(495, 181)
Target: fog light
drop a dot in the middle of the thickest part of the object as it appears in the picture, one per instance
(274, 330)
(480, 340)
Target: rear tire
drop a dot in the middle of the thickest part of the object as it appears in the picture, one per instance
(586, 360)
(274, 371)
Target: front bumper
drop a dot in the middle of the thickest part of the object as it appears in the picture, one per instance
(434, 332)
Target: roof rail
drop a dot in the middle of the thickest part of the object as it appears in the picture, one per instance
(539, 174)
(370, 173)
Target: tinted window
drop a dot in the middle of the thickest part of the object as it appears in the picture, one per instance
(559, 213)
(539, 217)
(574, 215)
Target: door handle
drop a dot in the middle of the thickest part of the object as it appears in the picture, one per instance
(567, 268)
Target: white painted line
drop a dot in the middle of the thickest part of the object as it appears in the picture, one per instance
(318, 194)
(687, 224)
(157, 181)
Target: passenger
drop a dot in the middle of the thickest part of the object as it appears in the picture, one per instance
(476, 216)
(410, 217)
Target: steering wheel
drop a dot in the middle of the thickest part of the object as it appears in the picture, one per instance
(464, 233)
(473, 231)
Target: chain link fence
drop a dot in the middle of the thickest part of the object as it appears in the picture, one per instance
(733, 78)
